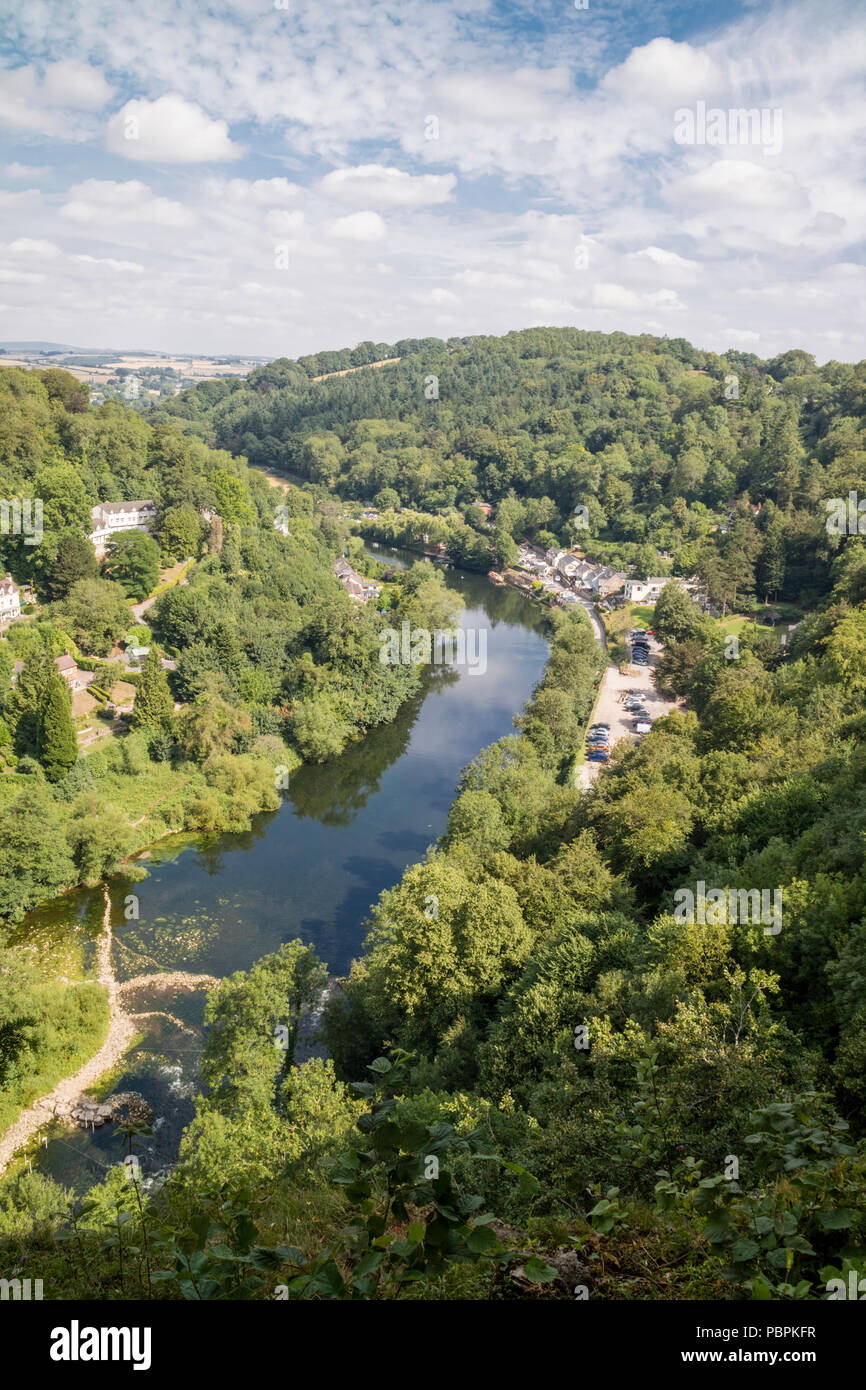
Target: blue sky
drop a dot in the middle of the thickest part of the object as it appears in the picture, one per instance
(275, 178)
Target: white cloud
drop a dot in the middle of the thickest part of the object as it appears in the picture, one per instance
(50, 99)
(127, 267)
(170, 130)
(24, 171)
(359, 226)
(669, 259)
(74, 85)
(29, 246)
(437, 296)
(284, 223)
(664, 71)
(386, 186)
(262, 192)
(100, 201)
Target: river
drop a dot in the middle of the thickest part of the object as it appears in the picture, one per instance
(346, 831)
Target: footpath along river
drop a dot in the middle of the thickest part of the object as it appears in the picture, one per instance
(346, 830)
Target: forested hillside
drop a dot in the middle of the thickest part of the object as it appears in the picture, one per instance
(257, 659)
(655, 438)
(543, 1080)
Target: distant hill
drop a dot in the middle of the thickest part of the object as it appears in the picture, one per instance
(39, 347)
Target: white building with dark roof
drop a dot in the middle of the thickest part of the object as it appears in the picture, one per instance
(110, 518)
(648, 590)
(10, 601)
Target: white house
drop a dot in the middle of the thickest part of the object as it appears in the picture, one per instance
(10, 601)
(110, 518)
(648, 590)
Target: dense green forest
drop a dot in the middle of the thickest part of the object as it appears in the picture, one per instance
(541, 1078)
(656, 439)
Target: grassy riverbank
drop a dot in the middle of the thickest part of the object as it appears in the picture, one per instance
(65, 1025)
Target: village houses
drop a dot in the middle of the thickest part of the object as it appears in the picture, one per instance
(556, 567)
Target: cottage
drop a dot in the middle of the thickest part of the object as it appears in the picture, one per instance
(10, 601)
(68, 668)
(607, 581)
(356, 585)
(553, 557)
(108, 519)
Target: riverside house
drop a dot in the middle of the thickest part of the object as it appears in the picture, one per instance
(357, 586)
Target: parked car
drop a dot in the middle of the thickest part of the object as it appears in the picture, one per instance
(597, 756)
(643, 726)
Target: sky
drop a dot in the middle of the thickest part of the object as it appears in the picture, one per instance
(277, 177)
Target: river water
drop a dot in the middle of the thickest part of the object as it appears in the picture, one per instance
(346, 831)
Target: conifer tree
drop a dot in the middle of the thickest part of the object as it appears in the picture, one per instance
(57, 745)
(154, 706)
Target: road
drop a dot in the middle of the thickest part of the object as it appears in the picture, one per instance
(609, 709)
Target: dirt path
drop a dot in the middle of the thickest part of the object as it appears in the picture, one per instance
(159, 800)
(122, 1028)
(346, 371)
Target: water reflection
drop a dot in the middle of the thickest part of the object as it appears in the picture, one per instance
(346, 831)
